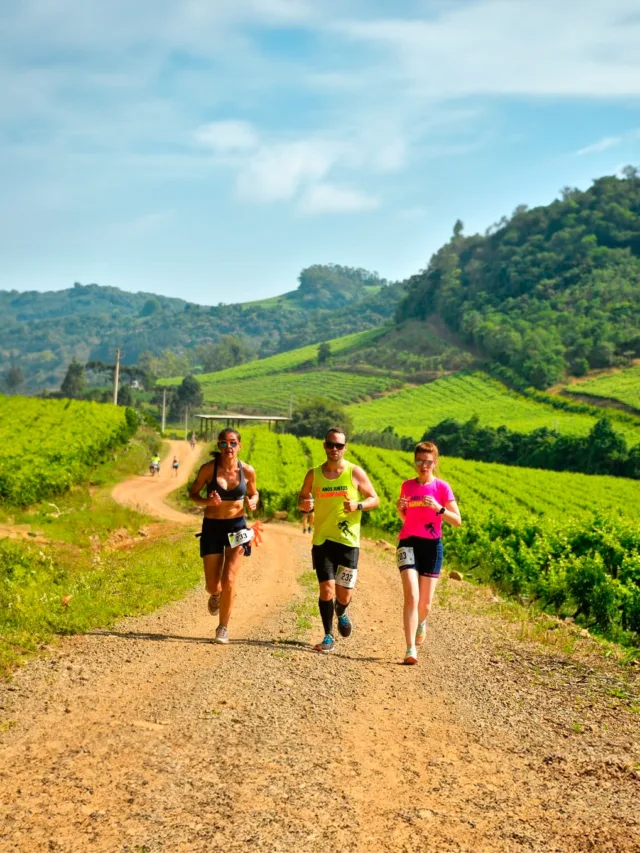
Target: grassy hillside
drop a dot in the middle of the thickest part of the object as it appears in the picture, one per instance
(623, 386)
(292, 360)
(412, 410)
(274, 394)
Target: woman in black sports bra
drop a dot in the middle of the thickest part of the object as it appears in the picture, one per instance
(225, 535)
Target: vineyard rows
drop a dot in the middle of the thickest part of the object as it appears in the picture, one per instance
(623, 386)
(281, 462)
(51, 444)
(283, 361)
(275, 393)
(569, 541)
(413, 410)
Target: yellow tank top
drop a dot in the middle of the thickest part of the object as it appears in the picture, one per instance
(331, 521)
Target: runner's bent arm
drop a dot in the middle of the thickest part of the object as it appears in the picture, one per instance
(371, 499)
(451, 512)
(252, 495)
(305, 498)
(204, 476)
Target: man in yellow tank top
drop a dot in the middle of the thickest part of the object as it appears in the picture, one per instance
(338, 491)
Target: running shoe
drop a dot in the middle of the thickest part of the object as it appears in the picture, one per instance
(411, 656)
(345, 625)
(213, 605)
(421, 633)
(222, 635)
(327, 645)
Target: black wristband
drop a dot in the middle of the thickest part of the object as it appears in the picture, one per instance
(441, 511)
(360, 506)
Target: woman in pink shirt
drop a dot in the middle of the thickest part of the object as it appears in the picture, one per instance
(424, 503)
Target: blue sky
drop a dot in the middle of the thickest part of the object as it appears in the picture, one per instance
(210, 149)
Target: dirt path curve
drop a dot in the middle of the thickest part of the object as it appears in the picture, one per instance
(150, 738)
(147, 494)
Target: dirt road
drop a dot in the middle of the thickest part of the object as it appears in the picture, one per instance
(147, 494)
(150, 738)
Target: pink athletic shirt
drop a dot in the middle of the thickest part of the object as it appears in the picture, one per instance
(420, 519)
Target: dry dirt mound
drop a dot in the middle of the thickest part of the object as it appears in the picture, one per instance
(151, 738)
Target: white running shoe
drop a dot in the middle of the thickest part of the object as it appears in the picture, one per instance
(421, 633)
(411, 656)
(222, 635)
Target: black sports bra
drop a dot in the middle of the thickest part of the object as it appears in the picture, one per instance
(235, 494)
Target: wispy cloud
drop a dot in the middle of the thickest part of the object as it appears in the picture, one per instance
(227, 136)
(325, 198)
(602, 145)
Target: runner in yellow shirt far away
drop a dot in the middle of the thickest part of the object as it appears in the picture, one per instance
(338, 491)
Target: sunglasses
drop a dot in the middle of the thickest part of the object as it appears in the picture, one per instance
(426, 462)
(224, 444)
(334, 445)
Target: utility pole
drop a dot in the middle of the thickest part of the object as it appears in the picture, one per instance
(164, 409)
(186, 421)
(116, 378)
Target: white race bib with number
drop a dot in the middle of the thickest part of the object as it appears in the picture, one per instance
(346, 577)
(241, 537)
(405, 558)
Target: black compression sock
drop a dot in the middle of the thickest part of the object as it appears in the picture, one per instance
(326, 612)
(341, 609)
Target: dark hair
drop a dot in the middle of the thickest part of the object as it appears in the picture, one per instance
(335, 429)
(221, 435)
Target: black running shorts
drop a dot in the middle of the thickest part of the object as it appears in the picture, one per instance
(426, 554)
(214, 537)
(328, 556)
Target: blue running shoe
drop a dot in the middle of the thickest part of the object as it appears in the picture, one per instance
(345, 625)
(327, 645)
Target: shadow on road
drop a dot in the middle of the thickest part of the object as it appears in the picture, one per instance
(282, 645)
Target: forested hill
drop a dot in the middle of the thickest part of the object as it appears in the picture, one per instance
(550, 290)
(42, 332)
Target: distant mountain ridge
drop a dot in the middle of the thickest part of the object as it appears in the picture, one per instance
(42, 332)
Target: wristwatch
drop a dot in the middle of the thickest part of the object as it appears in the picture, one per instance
(360, 506)
(442, 510)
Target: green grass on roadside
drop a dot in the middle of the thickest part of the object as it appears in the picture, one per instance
(306, 608)
(43, 594)
(88, 511)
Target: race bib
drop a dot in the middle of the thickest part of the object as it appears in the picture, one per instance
(346, 577)
(241, 537)
(405, 558)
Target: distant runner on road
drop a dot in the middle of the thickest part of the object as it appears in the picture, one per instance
(225, 538)
(174, 467)
(340, 491)
(424, 502)
(154, 467)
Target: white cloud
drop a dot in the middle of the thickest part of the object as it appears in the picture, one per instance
(601, 145)
(227, 136)
(277, 172)
(504, 47)
(326, 198)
